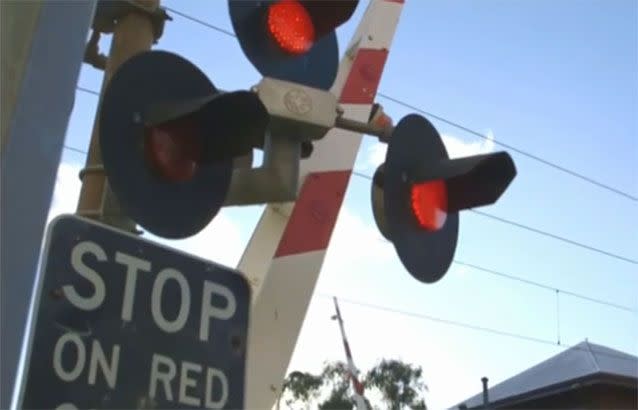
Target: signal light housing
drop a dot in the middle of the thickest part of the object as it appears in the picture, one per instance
(169, 140)
(292, 40)
(327, 15)
(418, 192)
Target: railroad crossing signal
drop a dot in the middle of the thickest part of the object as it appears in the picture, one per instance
(171, 141)
(292, 40)
(418, 192)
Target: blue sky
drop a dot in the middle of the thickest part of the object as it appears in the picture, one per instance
(554, 78)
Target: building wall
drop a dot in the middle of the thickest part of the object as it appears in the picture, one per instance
(589, 397)
(611, 397)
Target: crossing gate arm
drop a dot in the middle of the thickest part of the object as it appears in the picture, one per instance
(286, 252)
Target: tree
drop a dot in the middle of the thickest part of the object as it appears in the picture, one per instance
(302, 387)
(336, 376)
(400, 385)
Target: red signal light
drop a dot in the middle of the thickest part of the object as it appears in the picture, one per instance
(174, 149)
(289, 23)
(429, 204)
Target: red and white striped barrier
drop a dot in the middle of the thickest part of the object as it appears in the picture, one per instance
(285, 255)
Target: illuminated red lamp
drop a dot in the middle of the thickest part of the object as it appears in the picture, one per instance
(174, 149)
(291, 26)
(429, 204)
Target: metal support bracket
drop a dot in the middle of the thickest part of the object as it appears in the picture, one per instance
(109, 211)
(92, 53)
(379, 131)
(112, 213)
(90, 169)
(297, 111)
(108, 12)
(307, 113)
(275, 181)
(298, 116)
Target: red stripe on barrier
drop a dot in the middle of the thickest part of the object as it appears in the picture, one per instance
(315, 213)
(358, 387)
(396, 1)
(365, 75)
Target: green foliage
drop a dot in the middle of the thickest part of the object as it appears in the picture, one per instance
(400, 384)
(302, 385)
(338, 400)
(335, 375)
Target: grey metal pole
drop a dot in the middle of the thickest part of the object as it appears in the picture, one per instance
(42, 51)
(486, 399)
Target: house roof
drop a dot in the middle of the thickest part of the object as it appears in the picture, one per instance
(583, 360)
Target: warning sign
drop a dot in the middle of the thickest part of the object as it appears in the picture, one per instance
(121, 322)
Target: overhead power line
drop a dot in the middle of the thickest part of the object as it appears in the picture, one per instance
(486, 270)
(499, 332)
(557, 237)
(497, 273)
(491, 271)
(79, 151)
(439, 320)
(544, 286)
(202, 22)
(447, 121)
(86, 90)
(538, 231)
(510, 147)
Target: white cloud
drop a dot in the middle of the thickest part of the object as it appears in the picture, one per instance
(376, 155)
(67, 190)
(221, 241)
(456, 147)
(356, 242)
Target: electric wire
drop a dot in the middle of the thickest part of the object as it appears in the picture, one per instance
(491, 271)
(511, 148)
(450, 122)
(470, 326)
(558, 316)
(502, 144)
(88, 91)
(554, 236)
(548, 287)
(485, 214)
(202, 22)
(79, 151)
(438, 319)
(539, 231)
(498, 332)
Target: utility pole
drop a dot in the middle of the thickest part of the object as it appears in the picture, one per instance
(136, 25)
(356, 384)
